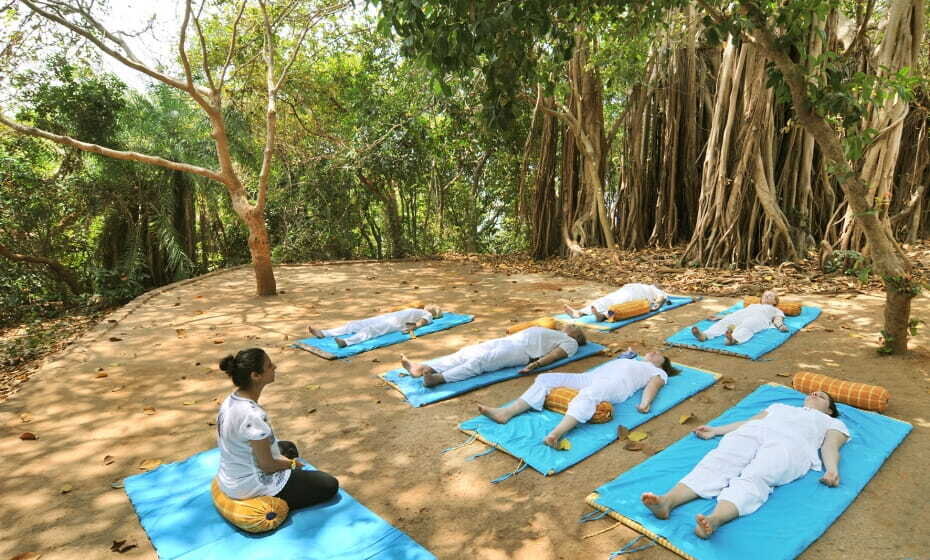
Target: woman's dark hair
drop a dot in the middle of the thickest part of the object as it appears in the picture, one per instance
(833, 411)
(241, 367)
(578, 335)
(668, 368)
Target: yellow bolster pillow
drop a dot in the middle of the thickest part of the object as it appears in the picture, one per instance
(629, 309)
(859, 395)
(255, 515)
(557, 401)
(547, 322)
(790, 308)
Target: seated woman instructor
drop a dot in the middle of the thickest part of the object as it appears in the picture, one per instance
(251, 464)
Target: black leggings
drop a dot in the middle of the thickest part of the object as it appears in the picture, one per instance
(307, 488)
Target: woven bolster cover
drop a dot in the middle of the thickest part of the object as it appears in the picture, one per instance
(547, 322)
(859, 395)
(557, 401)
(629, 309)
(255, 515)
(790, 308)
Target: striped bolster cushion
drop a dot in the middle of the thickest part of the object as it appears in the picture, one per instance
(557, 401)
(790, 308)
(255, 515)
(547, 322)
(628, 309)
(859, 395)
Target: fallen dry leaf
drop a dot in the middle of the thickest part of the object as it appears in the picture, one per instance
(149, 464)
(312, 387)
(25, 418)
(637, 436)
(101, 375)
(783, 374)
(218, 341)
(685, 418)
(28, 436)
(727, 379)
(121, 546)
(189, 403)
(27, 556)
(115, 339)
(148, 411)
(66, 488)
(115, 389)
(622, 432)
(108, 460)
(564, 444)
(633, 446)
(729, 386)
(179, 332)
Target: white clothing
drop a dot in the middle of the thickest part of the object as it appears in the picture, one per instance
(761, 454)
(613, 382)
(539, 341)
(629, 292)
(746, 322)
(365, 329)
(514, 350)
(240, 421)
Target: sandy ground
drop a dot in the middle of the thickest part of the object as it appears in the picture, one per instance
(162, 388)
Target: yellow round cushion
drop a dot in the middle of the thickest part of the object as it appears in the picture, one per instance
(790, 308)
(628, 309)
(547, 322)
(557, 401)
(859, 395)
(255, 515)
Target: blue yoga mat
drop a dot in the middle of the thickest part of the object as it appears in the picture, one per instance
(173, 503)
(794, 516)
(418, 395)
(327, 347)
(760, 344)
(522, 436)
(588, 321)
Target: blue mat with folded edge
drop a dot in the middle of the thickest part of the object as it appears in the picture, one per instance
(418, 395)
(760, 344)
(522, 436)
(175, 507)
(795, 514)
(590, 322)
(327, 347)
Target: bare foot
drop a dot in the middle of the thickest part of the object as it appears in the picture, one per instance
(698, 334)
(415, 370)
(573, 313)
(704, 527)
(495, 414)
(340, 343)
(598, 315)
(315, 332)
(730, 340)
(432, 379)
(656, 504)
(551, 441)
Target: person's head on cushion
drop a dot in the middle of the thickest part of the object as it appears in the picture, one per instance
(251, 461)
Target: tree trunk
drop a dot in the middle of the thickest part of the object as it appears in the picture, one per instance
(545, 217)
(260, 250)
(61, 272)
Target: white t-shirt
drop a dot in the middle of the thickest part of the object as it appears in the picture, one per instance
(802, 426)
(394, 321)
(240, 421)
(642, 291)
(539, 341)
(621, 378)
(756, 317)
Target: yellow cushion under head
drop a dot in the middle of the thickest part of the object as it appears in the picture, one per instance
(557, 401)
(547, 322)
(629, 309)
(859, 395)
(790, 308)
(255, 515)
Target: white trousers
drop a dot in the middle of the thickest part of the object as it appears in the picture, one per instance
(479, 358)
(604, 303)
(745, 466)
(592, 389)
(364, 329)
(745, 324)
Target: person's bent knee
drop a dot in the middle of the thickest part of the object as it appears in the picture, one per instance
(329, 486)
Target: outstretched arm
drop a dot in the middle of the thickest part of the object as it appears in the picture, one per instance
(830, 453)
(554, 355)
(413, 326)
(779, 323)
(708, 432)
(649, 393)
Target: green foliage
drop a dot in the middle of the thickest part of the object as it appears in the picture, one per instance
(850, 263)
